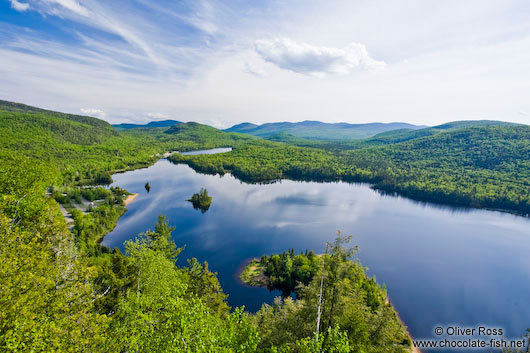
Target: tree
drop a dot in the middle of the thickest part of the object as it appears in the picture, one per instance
(205, 285)
(161, 240)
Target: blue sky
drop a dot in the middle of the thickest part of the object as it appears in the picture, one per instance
(225, 62)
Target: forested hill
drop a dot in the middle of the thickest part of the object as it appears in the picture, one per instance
(62, 292)
(482, 166)
(22, 108)
(320, 130)
(85, 149)
(402, 135)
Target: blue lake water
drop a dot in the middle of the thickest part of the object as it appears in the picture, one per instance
(441, 265)
(210, 151)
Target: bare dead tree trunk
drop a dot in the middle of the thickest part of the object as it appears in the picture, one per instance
(319, 307)
(330, 319)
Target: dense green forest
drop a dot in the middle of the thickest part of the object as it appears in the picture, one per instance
(87, 150)
(60, 291)
(95, 212)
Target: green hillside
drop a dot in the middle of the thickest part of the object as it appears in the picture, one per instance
(18, 107)
(486, 165)
(402, 135)
(86, 149)
(483, 166)
(319, 130)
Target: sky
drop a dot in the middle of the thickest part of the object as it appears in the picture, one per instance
(226, 62)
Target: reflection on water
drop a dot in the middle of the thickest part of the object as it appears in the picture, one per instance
(440, 267)
(211, 151)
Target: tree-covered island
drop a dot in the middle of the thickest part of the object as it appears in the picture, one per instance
(201, 200)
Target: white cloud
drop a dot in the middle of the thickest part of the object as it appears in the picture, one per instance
(98, 15)
(71, 5)
(157, 116)
(19, 6)
(204, 17)
(254, 70)
(313, 60)
(98, 113)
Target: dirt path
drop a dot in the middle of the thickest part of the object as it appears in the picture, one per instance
(67, 217)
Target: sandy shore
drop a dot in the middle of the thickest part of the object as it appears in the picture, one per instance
(130, 199)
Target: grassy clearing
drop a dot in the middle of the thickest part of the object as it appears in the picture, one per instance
(253, 274)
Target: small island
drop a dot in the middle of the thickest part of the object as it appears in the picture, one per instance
(201, 201)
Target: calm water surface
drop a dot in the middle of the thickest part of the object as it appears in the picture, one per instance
(210, 151)
(441, 265)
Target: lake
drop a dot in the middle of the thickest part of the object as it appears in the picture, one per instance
(441, 265)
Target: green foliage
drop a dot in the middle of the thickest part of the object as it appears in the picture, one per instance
(90, 228)
(45, 288)
(63, 292)
(286, 271)
(205, 285)
(481, 167)
(201, 201)
(68, 195)
(88, 150)
(59, 297)
(355, 314)
(253, 274)
(160, 239)
(271, 161)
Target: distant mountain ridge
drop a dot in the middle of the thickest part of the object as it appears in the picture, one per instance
(160, 123)
(319, 130)
(401, 135)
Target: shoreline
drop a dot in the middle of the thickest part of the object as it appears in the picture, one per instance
(414, 349)
(391, 192)
(130, 199)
